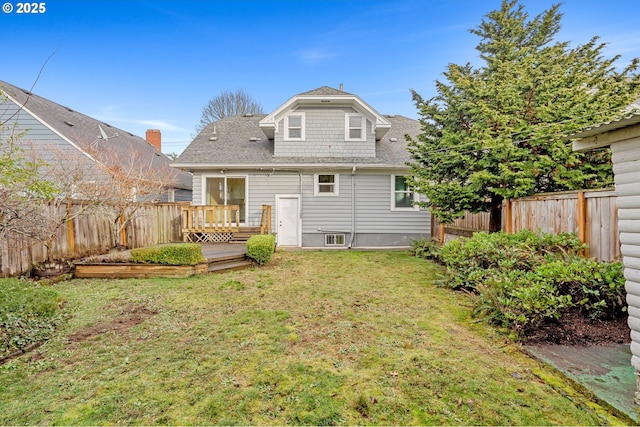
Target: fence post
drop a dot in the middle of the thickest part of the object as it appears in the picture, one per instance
(582, 222)
(508, 219)
(123, 232)
(70, 232)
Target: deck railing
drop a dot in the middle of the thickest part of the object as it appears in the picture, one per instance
(265, 220)
(210, 219)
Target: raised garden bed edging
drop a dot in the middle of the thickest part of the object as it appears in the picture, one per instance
(127, 270)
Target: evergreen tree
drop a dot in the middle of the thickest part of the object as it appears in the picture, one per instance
(499, 130)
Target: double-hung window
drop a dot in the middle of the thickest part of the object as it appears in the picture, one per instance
(355, 128)
(294, 126)
(326, 184)
(402, 195)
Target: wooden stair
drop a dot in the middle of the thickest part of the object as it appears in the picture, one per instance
(229, 263)
(244, 234)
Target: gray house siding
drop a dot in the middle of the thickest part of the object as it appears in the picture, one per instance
(626, 164)
(374, 213)
(324, 136)
(264, 187)
(198, 192)
(376, 224)
(35, 134)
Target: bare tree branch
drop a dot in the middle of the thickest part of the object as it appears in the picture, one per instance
(228, 104)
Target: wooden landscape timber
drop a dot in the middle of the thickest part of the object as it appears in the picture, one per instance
(136, 271)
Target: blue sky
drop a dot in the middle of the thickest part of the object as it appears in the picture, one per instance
(154, 64)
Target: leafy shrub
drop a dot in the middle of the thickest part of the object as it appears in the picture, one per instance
(29, 313)
(177, 254)
(596, 288)
(425, 248)
(520, 300)
(521, 251)
(522, 280)
(261, 247)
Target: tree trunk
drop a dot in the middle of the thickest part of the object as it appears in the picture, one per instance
(495, 214)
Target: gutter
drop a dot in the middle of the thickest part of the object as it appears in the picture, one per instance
(287, 166)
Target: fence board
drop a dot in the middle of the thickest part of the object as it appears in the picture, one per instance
(92, 233)
(553, 213)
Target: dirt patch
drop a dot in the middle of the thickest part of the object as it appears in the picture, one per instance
(575, 329)
(131, 316)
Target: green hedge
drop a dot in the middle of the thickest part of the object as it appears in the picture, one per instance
(261, 247)
(29, 313)
(177, 254)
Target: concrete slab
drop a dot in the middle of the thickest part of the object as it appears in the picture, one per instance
(605, 370)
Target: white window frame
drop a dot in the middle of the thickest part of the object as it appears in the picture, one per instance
(287, 128)
(335, 237)
(347, 127)
(317, 184)
(414, 207)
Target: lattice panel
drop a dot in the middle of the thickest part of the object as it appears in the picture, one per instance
(204, 237)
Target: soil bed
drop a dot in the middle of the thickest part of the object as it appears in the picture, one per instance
(575, 329)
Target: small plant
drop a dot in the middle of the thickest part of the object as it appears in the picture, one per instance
(426, 248)
(178, 254)
(261, 247)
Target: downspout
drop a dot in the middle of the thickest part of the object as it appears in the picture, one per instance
(301, 197)
(353, 207)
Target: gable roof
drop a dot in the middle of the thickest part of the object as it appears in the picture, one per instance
(325, 95)
(238, 142)
(82, 131)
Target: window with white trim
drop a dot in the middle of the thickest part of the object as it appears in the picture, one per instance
(334, 239)
(294, 126)
(326, 184)
(355, 129)
(402, 195)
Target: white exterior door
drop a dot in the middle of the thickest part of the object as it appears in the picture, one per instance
(288, 220)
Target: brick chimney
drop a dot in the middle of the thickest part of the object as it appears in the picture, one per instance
(154, 138)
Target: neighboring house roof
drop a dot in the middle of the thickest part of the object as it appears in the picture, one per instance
(83, 131)
(243, 141)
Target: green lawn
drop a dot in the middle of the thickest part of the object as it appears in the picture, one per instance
(315, 338)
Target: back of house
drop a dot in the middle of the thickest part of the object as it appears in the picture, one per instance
(331, 167)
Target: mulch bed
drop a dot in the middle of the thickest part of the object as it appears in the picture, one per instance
(575, 329)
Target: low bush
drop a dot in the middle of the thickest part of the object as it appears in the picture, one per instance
(261, 247)
(521, 251)
(177, 254)
(523, 280)
(29, 313)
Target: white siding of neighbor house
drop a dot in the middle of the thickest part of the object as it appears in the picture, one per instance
(324, 136)
(626, 166)
(375, 223)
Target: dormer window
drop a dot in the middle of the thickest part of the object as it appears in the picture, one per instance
(355, 127)
(294, 127)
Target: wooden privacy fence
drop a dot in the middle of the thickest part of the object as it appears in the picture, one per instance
(592, 215)
(92, 232)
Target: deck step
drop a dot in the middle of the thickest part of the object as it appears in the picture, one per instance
(243, 235)
(228, 263)
(229, 266)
